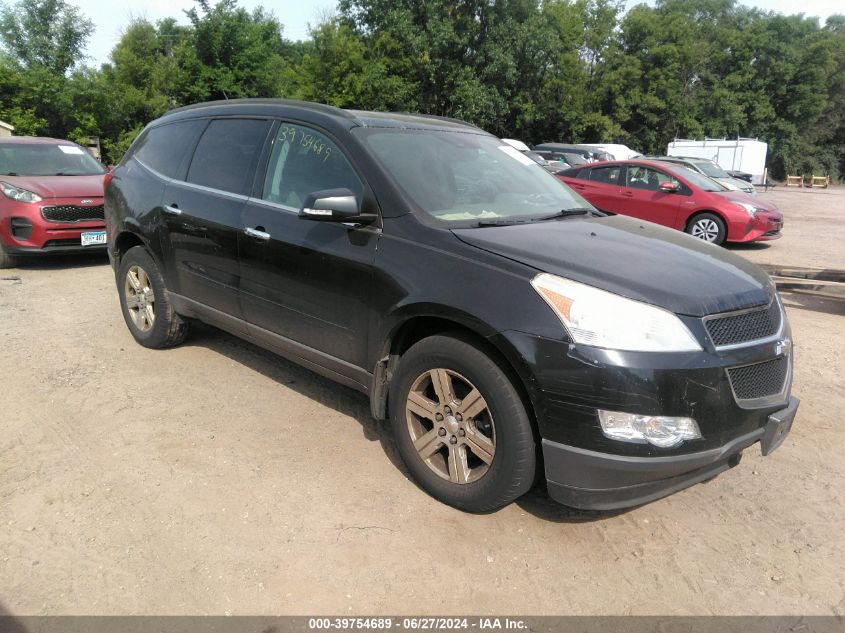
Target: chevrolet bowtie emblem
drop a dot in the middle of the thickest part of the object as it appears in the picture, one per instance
(783, 346)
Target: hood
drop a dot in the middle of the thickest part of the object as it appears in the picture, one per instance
(734, 184)
(60, 186)
(635, 259)
(739, 196)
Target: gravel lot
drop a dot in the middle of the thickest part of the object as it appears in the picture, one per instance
(217, 478)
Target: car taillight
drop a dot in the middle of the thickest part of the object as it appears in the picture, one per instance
(107, 180)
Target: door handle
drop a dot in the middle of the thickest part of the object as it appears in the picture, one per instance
(172, 209)
(628, 193)
(257, 234)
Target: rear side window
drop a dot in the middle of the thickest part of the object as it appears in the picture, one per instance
(226, 155)
(165, 148)
(607, 175)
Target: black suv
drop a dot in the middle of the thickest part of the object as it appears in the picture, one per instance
(502, 324)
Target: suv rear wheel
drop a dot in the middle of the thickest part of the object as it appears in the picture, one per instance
(143, 300)
(461, 426)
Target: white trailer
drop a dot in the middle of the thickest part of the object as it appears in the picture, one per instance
(742, 154)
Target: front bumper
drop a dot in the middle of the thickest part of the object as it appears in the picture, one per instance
(765, 227)
(591, 480)
(42, 236)
(568, 383)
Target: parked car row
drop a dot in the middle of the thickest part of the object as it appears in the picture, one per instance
(559, 156)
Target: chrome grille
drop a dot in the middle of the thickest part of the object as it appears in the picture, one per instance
(760, 380)
(745, 326)
(72, 213)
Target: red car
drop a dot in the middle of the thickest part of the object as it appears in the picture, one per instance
(52, 198)
(677, 197)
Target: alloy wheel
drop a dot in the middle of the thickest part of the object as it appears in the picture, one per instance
(140, 298)
(705, 229)
(451, 426)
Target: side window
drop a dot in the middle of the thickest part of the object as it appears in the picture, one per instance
(643, 178)
(304, 161)
(608, 175)
(165, 148)
(664, 177)
(226, 155)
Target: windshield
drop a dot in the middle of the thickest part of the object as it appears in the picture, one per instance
(711, 169)
(699, 180)
(575, 159)
(19, 159)
(536, 158)
(458, 177)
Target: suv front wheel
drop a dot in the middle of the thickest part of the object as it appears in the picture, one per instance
(7, 260)
(143, 300)
(461, 426)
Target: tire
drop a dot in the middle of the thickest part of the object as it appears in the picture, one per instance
(476, 464)
(7, 260)
(708, 227)
(140, 285)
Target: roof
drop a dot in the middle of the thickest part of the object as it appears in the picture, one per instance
(346, 118)
(34, 140)
(11, 128)
(647, 162)
(561, 146)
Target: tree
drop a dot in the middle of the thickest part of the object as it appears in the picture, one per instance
(47, 33)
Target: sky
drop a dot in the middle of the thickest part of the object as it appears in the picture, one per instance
(112, 16)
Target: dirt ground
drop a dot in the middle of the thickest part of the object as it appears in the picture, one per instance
(217, 478)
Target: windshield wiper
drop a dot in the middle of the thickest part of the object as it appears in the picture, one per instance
(11, 173)
(566, 213)
(506, 222)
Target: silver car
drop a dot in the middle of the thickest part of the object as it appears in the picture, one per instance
(711, 169)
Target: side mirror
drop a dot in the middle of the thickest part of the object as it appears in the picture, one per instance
(334, 205)
(668, 187)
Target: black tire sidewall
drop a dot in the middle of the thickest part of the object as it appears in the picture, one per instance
(723, 229)
(7, 260)
(512, 472)
(158, 336)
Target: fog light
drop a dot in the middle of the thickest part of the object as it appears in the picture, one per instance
(660, 430)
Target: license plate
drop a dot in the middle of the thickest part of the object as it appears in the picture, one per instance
(778, 427)
(93, 238)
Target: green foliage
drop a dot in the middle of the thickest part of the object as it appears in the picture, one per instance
(539, 70)
(48, 33)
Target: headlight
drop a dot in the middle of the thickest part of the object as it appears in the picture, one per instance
(16, 193)
(603, 319)
(750, 209)
(659, 430)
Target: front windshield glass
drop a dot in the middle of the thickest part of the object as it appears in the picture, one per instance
(711, 169)
(575, 159)
(699, 180)
(459, 177)
(536, 158)
(19, 159)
